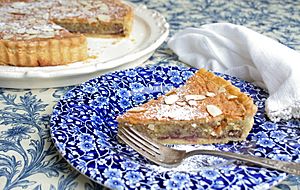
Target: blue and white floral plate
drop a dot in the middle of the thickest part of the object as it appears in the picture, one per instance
(84, 129)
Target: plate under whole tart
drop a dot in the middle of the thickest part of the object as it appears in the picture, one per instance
(149, 31)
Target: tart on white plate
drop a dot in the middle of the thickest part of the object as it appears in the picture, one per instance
(53, 32)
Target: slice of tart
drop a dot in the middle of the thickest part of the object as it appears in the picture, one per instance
(207, 109)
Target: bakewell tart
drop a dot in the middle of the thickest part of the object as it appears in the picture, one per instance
(207, 109)
(53, 32)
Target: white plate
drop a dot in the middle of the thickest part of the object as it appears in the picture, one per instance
(150, 30)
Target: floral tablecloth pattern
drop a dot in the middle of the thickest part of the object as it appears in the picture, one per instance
(28, 157)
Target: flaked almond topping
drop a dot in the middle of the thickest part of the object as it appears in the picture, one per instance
(46, 35)
(103, 17)
(221, 89)
(103, 8)
(194, 97)
(213, 133)
(31, 31)
(56, 27)
(19, 38)
(181, 103)
(137, 109)
(18, 5)
(84, 3)
(29, 37)
(213, 110)
(151, 127)
(194, 125)
(230, 97)
(210, 94)
(192, 102)
(171, 99)
(21, 31)
(47, 29)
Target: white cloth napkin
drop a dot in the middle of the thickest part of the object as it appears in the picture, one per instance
(244, 53)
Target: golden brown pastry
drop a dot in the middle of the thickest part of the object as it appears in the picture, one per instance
(207, 109)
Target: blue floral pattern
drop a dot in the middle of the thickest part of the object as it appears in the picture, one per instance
(29, 160)
(96, 147)
(24, 132)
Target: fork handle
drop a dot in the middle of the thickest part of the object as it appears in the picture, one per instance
(288, 167)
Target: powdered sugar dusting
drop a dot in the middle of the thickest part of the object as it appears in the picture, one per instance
(194, 163)
(178, 112)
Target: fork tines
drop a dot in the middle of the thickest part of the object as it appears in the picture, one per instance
(139, 142)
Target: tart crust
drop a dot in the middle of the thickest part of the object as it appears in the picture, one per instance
(43, 52)
(207, 109)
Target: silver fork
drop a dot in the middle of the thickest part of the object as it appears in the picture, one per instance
(169, 157)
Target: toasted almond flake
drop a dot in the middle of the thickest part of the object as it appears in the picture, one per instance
(29, 37)
(194, 97)
(18, 5)
(21, 31)
(230, 97)
(171, 99)
(180, 103)
(137, 109)
(32, 31)
(210, 94)
(192, 102)
(45, 36)
(84, 3)
(103, 8)
(213, 133)
(151, 127)
(19, 38)
(47, 29)
(56, 27)
(221, 90)
(103, 17)
(194, 125)
(213, 110)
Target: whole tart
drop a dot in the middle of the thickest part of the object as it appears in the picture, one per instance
(52, 32)
(207, 109)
